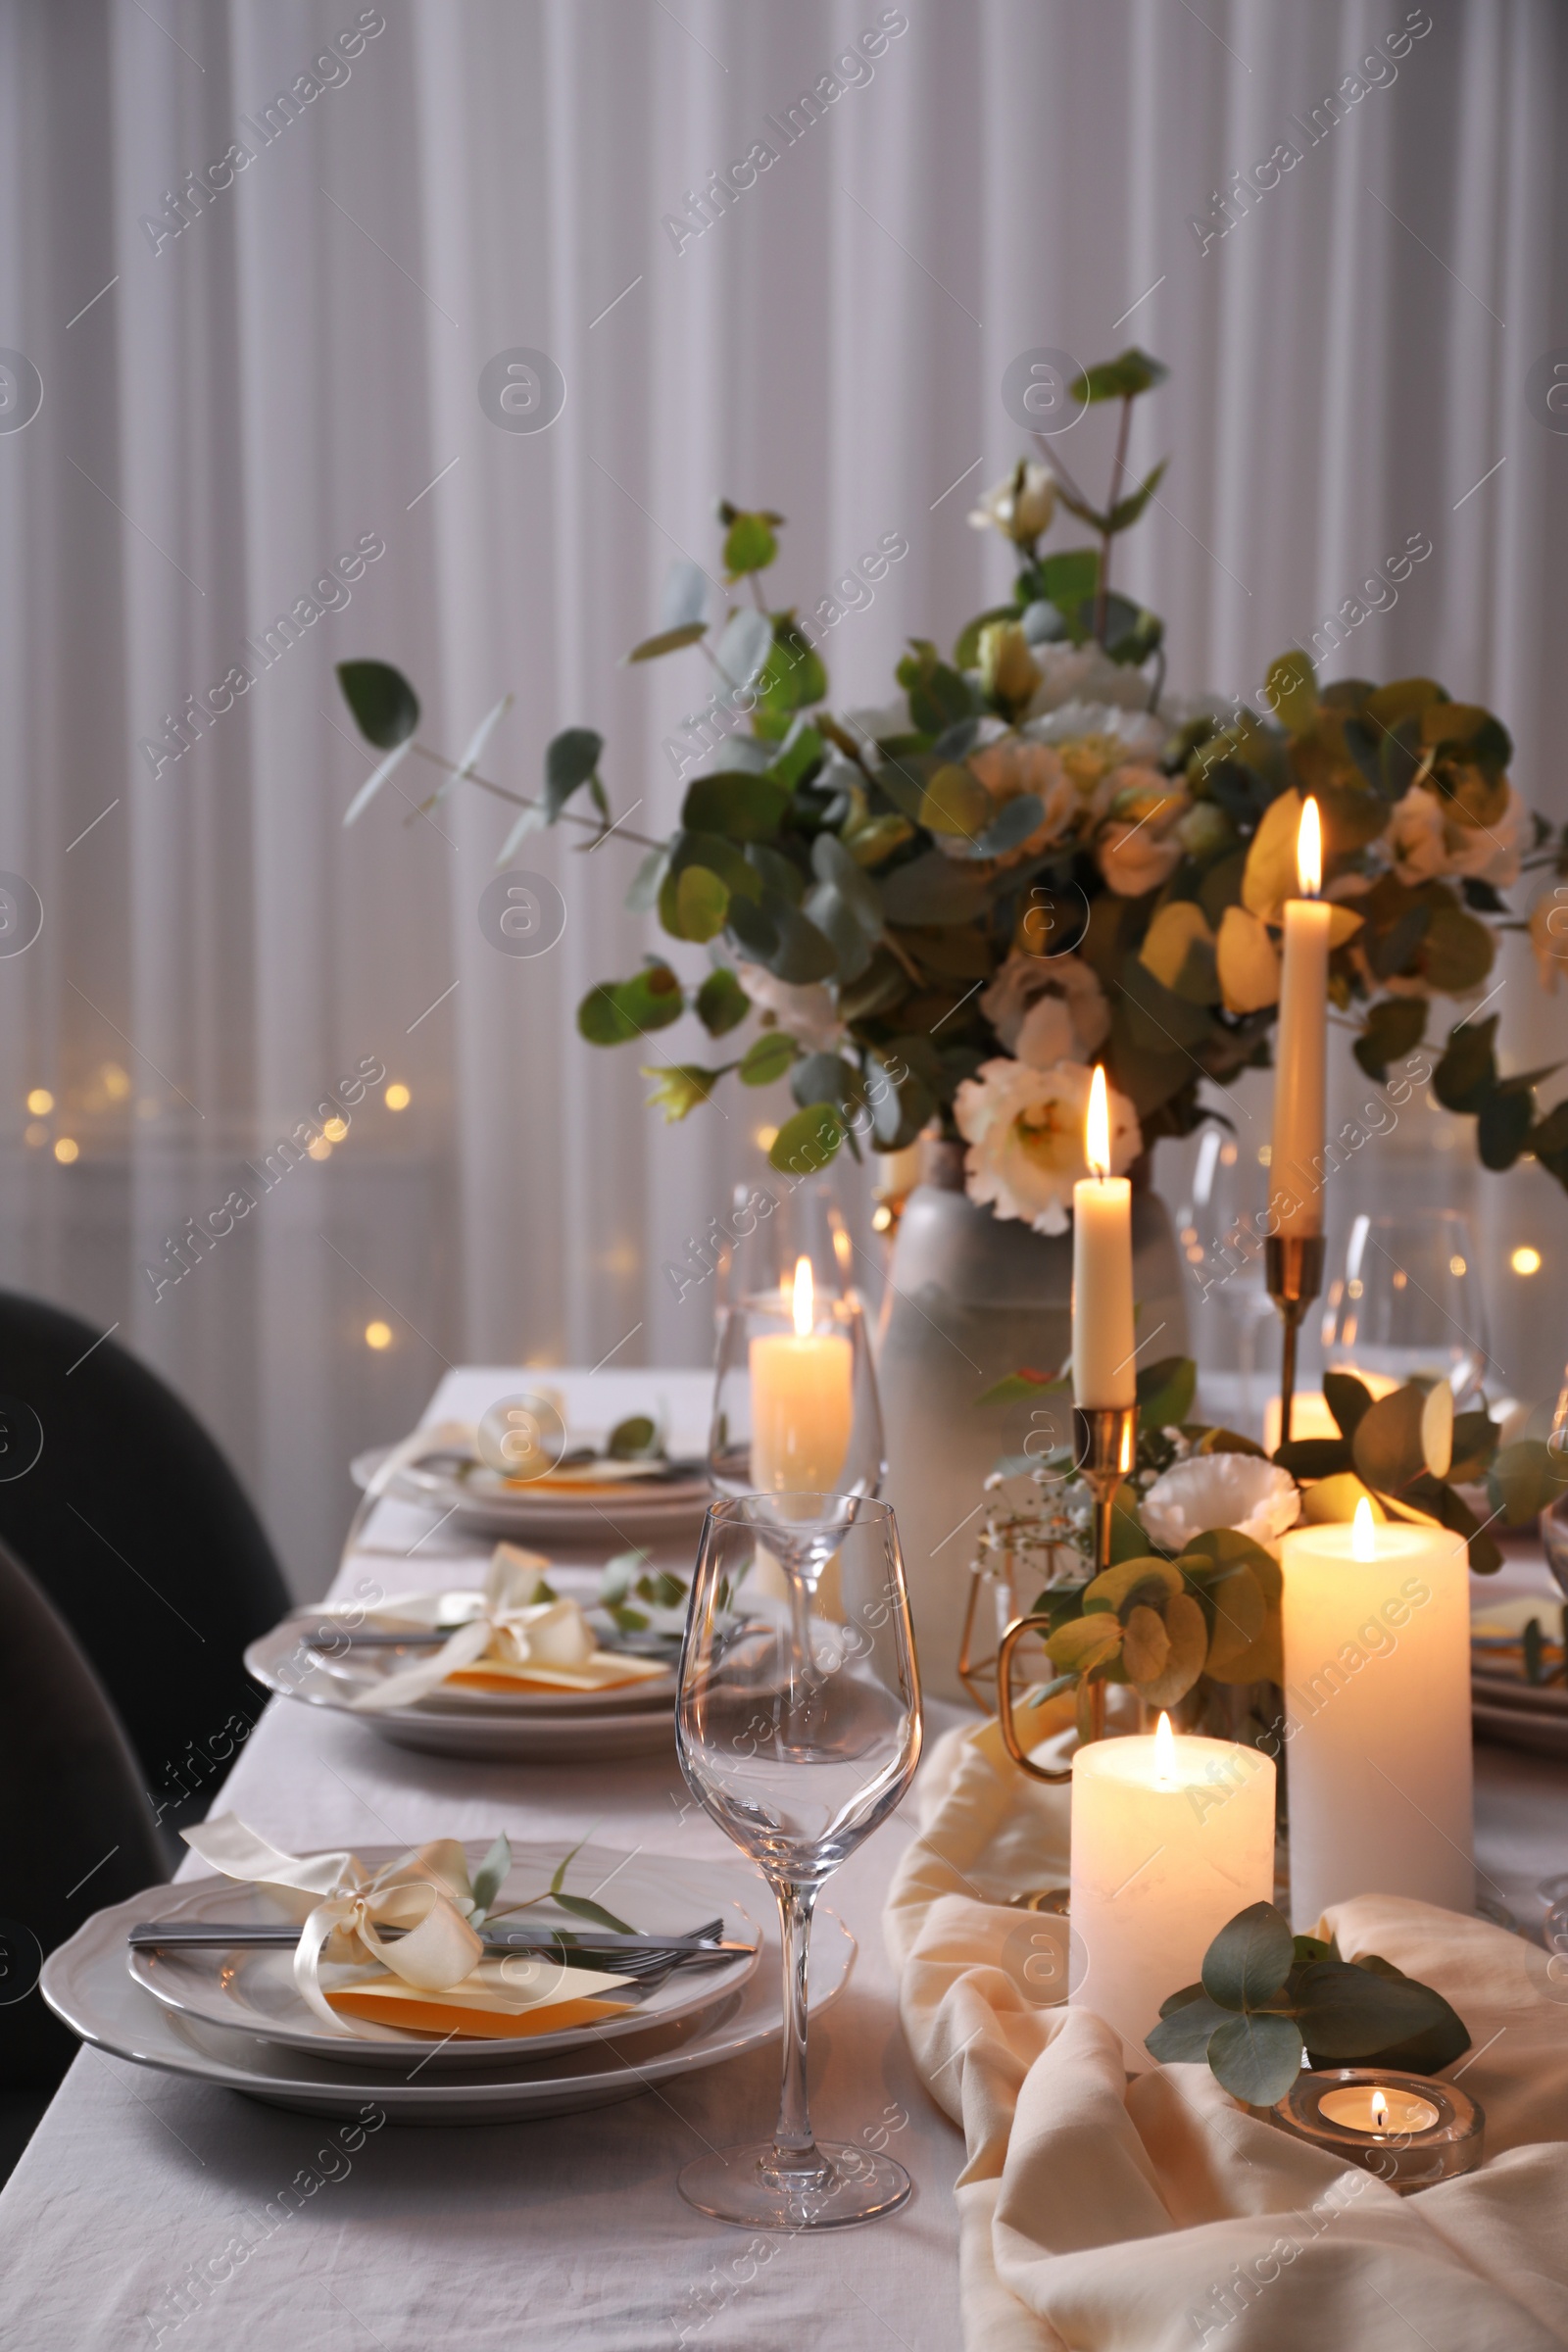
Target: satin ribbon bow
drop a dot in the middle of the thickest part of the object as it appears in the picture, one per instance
(510, 1627)
(342, 1908)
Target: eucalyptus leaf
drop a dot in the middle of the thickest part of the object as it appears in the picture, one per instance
(1145, 1579)
(745, 646)
(1348, 2013)
(685, 595)
(1255, 2058)
(1250, 1959)
(740, 807)
(1387, 1444)
(385, 706)
(1186, 1631)
(806, 1143)
(768, 1057)
(571, 759)
(722, 1003)
(582, 1907)
(668, 641)
(491, 1874)
(1349, 1400)
(1186, 2023)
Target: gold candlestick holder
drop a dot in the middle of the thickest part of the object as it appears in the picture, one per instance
(1104, 1444)
(1292, 1267)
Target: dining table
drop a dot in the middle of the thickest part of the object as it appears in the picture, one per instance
(563, 2232)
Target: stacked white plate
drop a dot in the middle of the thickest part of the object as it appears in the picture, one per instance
(231, 2015)
(628, 1505)
(631, 1719)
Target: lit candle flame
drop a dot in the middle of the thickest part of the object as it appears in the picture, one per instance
(1096, 1127)
(1363, 1539)
(1380, 2111)
(1309, 852)
(802, 1300)
(1164, 1753)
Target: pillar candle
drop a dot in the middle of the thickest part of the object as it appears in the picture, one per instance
(1376, 1624)
(1294, 1181)
(1105, 1371)
(1170, 1839)
(803, 1405)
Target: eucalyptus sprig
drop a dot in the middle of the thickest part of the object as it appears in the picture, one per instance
(1265, 1994)
(1410, 1451)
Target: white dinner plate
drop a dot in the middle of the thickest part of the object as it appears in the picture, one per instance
(253, 1992)
(88, 1986)
(355, 1669)
(482, 1503)
(489, 1725)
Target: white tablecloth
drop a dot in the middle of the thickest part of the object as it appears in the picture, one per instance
(563, 2233)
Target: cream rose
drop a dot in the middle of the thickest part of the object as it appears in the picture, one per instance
(1021, 507)
(1026, 1132)
(1036, 999)
(1219, 1490)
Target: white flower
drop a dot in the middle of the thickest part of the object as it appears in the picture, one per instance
(1021, 507)
(1220, 1489)
(807, 1013)
(1034, 1001)
(1026, 1132)
(1426, 840)
(1085, 673)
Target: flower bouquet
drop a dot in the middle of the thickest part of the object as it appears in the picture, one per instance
(945, 908)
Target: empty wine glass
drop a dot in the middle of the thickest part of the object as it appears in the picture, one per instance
(1224, 1249)
(798, 1730)
(794, 1402)
(1408, 1305)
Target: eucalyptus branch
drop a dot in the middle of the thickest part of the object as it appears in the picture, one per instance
(1117, 469)
(518, 800)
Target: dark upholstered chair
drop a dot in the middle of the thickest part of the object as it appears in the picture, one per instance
(136, 1528)
(75, 1833)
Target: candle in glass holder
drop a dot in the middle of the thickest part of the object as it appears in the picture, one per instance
(1301, 1052)
(1410, 2131)
(1170, 1839)
(1376, 1627)
(1103, 1351)
(803, 1405)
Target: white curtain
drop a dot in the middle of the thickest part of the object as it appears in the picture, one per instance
(294, 376)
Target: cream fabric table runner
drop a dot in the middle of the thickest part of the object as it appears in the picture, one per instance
(1114, 2217)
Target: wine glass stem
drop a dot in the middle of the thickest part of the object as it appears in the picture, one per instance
(794, 2151)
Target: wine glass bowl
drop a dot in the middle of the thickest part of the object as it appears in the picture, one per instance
(795, 1400)
(1408, 1304)
(798, 1730)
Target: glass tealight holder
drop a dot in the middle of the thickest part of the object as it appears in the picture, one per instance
(1407, 2129)
(794, 1402)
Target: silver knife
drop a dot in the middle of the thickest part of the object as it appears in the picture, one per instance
(168, 1935)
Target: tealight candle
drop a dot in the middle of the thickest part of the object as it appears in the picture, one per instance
(1376, 1627)
(803, 1404)
(1295, 1157)
(1410, 2131)
(1105, 1370)
(1379, 2108)
(1170, 1839)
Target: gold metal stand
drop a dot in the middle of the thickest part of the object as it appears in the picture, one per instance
(1293, 1265)
(1104, 1444)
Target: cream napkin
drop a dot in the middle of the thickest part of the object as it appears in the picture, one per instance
(434, 1975)
(1109, 2215)
(511, 1642)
